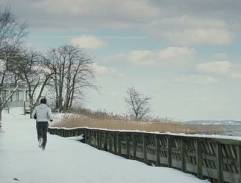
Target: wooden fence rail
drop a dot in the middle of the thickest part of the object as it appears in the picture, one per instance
(218, 160)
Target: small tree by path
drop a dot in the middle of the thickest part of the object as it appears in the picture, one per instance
(137, 103)
(1, 109)
(4, 102)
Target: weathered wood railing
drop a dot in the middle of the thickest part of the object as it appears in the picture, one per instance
(216, 159)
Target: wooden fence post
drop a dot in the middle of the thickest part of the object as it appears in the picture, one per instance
(199, 158)
(238, 149)
(157, 148)
(110, 141)
(119, 143)
(219, 163)
(127, 145)
(72, 133)
(144, 147)
(115, 142)
(101, 139)
(64, 132)
(169, 151)
(134, 144)
(85, 135)
(98, 139)
(183, 158)
(88, 136)
(105, 141)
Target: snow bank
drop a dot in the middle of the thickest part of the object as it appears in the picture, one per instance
(69, 161)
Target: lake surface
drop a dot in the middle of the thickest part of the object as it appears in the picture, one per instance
(229, 127)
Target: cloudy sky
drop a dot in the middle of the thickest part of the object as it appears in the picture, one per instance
(184, 54)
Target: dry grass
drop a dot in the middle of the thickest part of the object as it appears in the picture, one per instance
(78, 120)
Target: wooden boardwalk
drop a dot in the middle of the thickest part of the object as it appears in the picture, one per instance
(218, 160)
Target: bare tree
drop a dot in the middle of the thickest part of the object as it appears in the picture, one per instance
(33, 70)
(72, 74)
(137, 103)
(5, 101)
(11, 34)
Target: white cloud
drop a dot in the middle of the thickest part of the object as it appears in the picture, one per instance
(143, 56)
(169, 54)
(198, 79)
(101, 70)
(133, 8)
(164, 20)
(87, 41)
(201, 36)
(220, 68)
(220, 56)
(98, 13)
(179, 25)
(186, 30)
(174, 53)
(236, 75)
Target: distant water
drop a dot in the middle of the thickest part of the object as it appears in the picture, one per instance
(230, 127)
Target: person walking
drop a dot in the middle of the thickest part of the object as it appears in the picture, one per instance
(42, 113)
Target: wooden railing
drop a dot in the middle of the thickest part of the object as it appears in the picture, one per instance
(216, 159)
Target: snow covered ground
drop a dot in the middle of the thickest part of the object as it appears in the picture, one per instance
(69, 161)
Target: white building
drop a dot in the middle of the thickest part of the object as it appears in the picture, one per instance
(19, 97)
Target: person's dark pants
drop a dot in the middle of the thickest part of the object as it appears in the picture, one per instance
(42, 129)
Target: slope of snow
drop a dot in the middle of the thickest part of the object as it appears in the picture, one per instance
(68, 161)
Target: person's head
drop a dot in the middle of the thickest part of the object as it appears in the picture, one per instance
(43, 100)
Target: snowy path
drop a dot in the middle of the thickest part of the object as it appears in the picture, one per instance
(68, 161)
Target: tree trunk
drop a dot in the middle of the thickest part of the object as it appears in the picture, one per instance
(72, 95)
(1, 109)
(31, 105)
